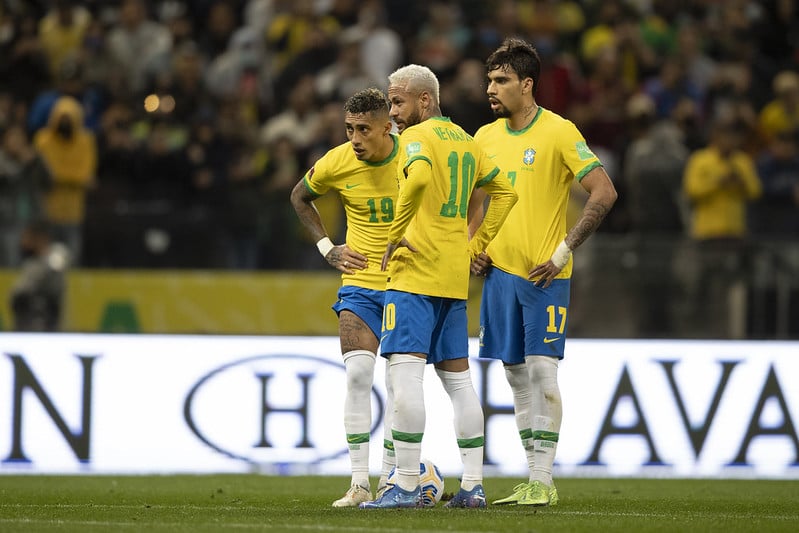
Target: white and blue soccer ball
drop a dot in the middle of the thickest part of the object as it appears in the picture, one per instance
(431, 482)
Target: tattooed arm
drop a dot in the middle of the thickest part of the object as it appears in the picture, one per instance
(602, 196)
(340, 257)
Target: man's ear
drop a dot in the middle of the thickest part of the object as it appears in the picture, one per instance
(528, 85)
(424, 99)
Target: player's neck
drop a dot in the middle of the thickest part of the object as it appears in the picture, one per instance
(522, 118)
(430, 112)
(385, 150)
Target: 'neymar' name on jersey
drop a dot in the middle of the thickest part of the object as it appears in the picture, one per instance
(432, 208)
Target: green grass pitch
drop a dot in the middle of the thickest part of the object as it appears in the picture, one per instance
(263, 503)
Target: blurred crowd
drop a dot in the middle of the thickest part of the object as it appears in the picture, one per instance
(169, 133)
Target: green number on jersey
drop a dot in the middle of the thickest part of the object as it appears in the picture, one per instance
(463, 169)
(386, 207)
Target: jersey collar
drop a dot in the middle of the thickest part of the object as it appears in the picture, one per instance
(527, 127)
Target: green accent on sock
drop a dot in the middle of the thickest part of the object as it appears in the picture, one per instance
(357, 438)
(475, 442)
(406, 437)
(546, 435)
(526, 434)
(388, 444)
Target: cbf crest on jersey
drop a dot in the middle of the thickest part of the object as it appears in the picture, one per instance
(529, 156)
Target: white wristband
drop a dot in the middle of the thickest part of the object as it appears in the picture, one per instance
(324, 245)
(561, 255)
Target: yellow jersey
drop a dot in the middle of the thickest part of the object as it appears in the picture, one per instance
(541, 161)
(368, 192)
(719, 210)
(439, 167)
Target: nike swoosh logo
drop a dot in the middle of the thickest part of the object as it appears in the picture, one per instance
(548, 340)
(352, 185)
(492, 156)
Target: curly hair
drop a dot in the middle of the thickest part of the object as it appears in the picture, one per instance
(369, 100)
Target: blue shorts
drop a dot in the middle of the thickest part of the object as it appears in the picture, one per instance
(518, 319)
(414, 323)
(367, 304)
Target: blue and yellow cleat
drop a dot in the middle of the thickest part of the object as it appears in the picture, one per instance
(471, 499)
(396, 498)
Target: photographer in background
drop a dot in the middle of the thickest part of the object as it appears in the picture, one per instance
(38, 292)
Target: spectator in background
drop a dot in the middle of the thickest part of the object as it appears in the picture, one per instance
(24, 69)
(617, 27)
(670, 86)
(346, 75)
(70, 152)
(220, 24)
(777, 212)
(70, 82)
(138, 45)
(598, 109)
(290, 32)
(182, 80)
(700, 68)
(719, 182)
(299, 121)
(559, 79)
(241, 72)
(782, 113)
(38, 292)
(23, 181)
(442, 39)
(61, 31)
(381, 47)
(283, 235)
(653, 168)
(246, 197)
(463, 99)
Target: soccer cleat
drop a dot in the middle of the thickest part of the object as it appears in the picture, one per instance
(518, 491)
(380, 491)
(396, 498)
(539, 494)
(355, 496)
(471, 499)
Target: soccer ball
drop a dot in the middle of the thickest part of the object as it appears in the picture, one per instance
(431, 482)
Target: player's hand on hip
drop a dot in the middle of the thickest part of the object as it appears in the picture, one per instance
(481, 264)
(343, 258)
(391, 248)
(545, 272)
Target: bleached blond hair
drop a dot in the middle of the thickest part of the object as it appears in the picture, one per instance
(418, 77)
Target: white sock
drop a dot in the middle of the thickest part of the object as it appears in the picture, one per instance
(360, 367)
(389, 457)
(519, 381)
(469, 424)
(547, 414)
(407, 378)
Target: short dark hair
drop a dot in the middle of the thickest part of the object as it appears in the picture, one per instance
(519, 55)
(369, 100)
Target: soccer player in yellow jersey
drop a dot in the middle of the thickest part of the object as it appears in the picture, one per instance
(524, 308)
(428, 258)
(363, 172)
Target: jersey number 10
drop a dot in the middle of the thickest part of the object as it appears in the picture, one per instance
(461, 173)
